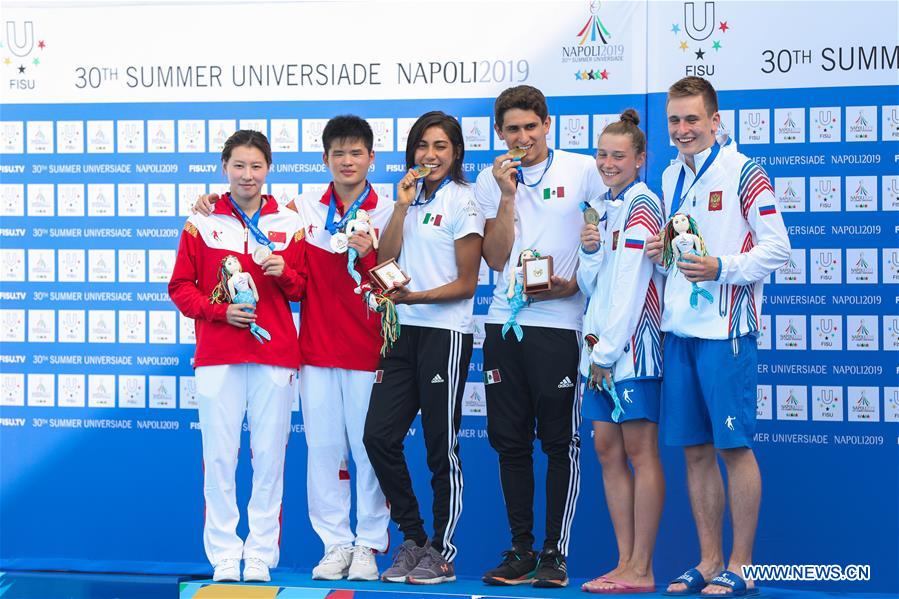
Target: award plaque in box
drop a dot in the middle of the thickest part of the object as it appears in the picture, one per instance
(538, 274)
(388, 275)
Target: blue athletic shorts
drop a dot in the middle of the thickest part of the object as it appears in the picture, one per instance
(639, 400)
(709, 391)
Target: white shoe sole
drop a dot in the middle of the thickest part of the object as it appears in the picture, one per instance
(374, 576)
(227, 578)
(256, 578)
(431, 580)
(393, 578)
(339, 576)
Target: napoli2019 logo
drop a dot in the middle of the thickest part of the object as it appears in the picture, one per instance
(594, 27)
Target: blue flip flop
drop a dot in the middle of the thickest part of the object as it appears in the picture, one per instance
(735, 583)
(693, 579)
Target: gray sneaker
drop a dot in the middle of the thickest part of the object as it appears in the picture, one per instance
(404, 561)
(432, 569)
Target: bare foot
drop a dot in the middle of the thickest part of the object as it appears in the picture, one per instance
(720, 589)
(598, 582)
(624, 579)
(708, 571)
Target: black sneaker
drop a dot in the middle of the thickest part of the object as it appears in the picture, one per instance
(552, 572)
(518, 567)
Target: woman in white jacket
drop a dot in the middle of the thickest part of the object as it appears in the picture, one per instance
(621, 357)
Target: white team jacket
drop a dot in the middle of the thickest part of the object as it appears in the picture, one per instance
(735, 209)
(625, 290)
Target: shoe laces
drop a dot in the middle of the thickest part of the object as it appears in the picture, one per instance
(255, 562)
(363, 554)
(555, 558)
(404, 556)
(513, 555)
(429, 560)
(228, 563)
(335, 555)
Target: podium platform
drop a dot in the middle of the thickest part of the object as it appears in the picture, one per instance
(301, 586)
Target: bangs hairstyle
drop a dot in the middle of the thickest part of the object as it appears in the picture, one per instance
(250, 139)
(348, 127)
(523, 97)
(627, 125)
(453, 131)
(695, 86)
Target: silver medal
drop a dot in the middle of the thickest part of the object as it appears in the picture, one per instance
(339, 242)
(261, 253)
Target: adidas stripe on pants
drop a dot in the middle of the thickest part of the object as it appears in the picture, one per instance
(425, 370)
(533, 384)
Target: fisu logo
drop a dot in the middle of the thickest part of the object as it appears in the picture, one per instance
(708, 20)
(20, 47)
(825, 186)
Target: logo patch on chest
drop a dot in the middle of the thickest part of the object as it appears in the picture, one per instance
(715, 202)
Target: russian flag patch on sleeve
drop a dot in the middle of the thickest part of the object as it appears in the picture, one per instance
(767, 209)
(634, 244)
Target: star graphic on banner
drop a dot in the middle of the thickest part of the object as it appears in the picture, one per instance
(577, 75)
(683, 46)
(586, 75)
(21, 69)
(42, 44)
(36, 61)
(7, 60)
(716, 45)
(700, 54)
(605, 74)
(723, 27)
(675, 29)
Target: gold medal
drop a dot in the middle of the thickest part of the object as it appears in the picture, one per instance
(591, 216)
(517, 153)
(421, 171)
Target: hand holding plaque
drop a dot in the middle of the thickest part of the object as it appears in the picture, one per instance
(388, 275)
(538, 272)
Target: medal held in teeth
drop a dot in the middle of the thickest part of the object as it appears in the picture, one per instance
(420, 171)
(517, 153)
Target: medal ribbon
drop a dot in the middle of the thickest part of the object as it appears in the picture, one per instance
(332, 226)
(678, 197)
(252, 223)
(421, 201)
(519, 173)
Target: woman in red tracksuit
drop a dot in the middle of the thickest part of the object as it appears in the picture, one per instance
(236, 272)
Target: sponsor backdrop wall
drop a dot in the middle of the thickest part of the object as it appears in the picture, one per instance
(108, 136)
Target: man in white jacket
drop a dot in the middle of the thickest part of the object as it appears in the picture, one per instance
(711, 316)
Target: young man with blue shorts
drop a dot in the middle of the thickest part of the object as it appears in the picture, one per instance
(713, 297)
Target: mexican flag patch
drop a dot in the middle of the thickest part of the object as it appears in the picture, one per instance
(492, 376)
(553, 192)
(432, 219)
